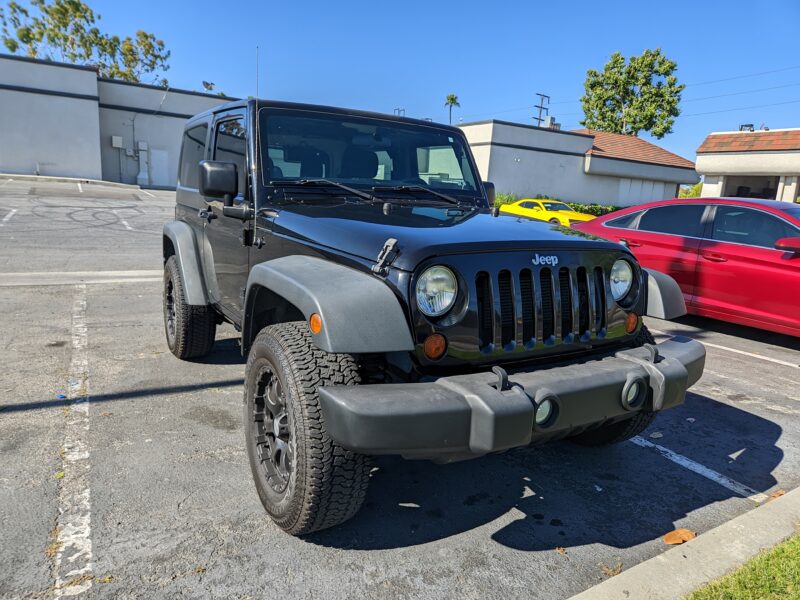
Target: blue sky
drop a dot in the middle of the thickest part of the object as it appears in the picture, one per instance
(494, 55)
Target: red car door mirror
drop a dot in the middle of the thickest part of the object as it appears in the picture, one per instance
(788, 244)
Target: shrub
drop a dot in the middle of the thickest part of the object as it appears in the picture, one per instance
(504, 198)
(598, 210)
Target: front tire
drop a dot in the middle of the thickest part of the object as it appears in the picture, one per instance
(621, 431)
(304, 479)
(190, 329)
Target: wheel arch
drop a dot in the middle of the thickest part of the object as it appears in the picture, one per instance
(360, 313)
(179, 240)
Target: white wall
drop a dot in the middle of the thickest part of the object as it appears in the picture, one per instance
(54, 134)
(528, 161)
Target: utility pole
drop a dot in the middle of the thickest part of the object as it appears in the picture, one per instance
(542, 107)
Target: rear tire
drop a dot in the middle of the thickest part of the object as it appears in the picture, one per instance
(621, 431)
(304, 479)
(190, 329)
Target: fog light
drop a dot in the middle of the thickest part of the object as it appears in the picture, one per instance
(633, 393)
(435, 346)
(631, 322)
(544, 411)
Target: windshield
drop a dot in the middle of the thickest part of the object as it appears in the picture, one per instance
(555, 206)
(364, 153)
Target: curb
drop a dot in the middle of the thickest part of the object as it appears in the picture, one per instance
(55, 179)
(682, 569)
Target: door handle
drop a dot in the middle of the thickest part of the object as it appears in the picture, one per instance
(206, 214)
(714, 257)
(630, 243)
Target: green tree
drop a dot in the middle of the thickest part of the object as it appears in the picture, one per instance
(450, 102)
(691, 191)
(640, 94)
(66, 30)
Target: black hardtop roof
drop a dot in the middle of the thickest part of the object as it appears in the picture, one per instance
(320, 108)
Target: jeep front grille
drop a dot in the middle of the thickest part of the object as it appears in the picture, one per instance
(539, 306)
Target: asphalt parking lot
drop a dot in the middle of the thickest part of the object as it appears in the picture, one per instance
(124, 474)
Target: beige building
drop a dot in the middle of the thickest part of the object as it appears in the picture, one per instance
(63, 120)
(576, 166)
(751, 164)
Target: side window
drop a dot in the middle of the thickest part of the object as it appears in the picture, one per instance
(679, 219)
(526, 204)
(749, 226)
(192, 152)
(625, 221)
(230, 145)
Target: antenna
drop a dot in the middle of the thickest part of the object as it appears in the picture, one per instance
(258, 133)
(541, 106)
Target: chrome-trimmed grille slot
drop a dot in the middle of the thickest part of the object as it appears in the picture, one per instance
(565, 293)
(528, 306)
(483, 296)
(548, 304)
(506, 307)
(583, 301)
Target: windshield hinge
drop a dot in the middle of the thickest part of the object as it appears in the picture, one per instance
(385, 257)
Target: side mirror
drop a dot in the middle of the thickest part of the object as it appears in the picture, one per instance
(788, 244)
(490, 193)
(219, 180)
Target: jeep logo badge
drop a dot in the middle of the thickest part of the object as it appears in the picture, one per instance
(551, 260)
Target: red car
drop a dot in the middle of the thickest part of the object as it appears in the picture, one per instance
(735, 259)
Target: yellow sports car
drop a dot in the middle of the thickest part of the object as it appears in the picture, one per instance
(553, 211)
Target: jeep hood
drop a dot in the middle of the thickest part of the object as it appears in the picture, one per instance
(423, 232)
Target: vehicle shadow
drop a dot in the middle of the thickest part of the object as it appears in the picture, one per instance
(732, 329)
(563, 495)
(224, 352)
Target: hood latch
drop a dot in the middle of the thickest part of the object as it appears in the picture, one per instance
(385, 257)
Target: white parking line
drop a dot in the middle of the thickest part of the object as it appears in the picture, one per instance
(80, 187)
(687, 463)
(124, 222)
(73, 558)
(777, 361)
(7, 218)
(148, 193)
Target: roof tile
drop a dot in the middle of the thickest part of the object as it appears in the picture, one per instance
(629, 147)
(751, 141)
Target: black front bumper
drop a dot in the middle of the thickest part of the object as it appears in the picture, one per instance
(462, 416)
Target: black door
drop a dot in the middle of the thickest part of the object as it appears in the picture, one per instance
(226, 258)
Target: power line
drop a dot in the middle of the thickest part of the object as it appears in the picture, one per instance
(742, 76)
(714, 112)
(776, 87)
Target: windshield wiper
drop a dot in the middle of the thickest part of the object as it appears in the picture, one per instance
(327, 183)
(418, 188)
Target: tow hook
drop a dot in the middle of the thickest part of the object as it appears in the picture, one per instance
(501, 384)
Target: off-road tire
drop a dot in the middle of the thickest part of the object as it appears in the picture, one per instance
(621, 430)
(190, 329)
(325, 484)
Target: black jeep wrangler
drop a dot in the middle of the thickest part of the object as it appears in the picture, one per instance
(386, 308)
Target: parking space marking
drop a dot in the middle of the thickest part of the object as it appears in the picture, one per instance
(78, 277)
(148, 193)
(125, 223)
(80, 187)
(7, 218)
(688, 463)
(73, 558)
(6, 182)
(777, 361)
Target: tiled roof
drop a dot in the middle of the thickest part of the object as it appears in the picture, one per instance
(629, 147)
(751, 141)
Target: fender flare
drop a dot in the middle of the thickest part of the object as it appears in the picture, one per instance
(664, 296)
(360, 313)
(187, 252)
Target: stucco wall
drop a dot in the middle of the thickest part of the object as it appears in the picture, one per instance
(54, 134)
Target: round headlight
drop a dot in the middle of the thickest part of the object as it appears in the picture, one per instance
(621, 279)
(436, 291)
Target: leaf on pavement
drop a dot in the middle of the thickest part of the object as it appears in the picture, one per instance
(561, 551)
(679, 536)
(776, 494)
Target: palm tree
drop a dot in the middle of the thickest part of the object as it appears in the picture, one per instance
(450, 102)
